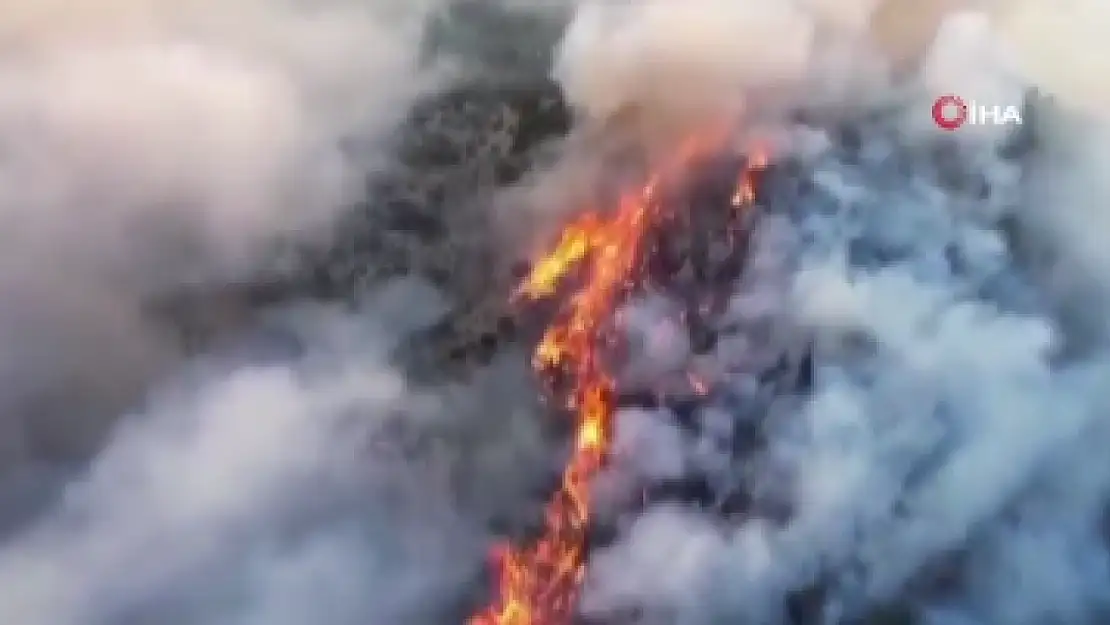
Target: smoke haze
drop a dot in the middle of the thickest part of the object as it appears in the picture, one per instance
(950, 455)
(149, 145)
(946, 452)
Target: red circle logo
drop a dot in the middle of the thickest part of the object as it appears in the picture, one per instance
(949, 112)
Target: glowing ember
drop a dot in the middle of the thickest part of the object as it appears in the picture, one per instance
(539, 584)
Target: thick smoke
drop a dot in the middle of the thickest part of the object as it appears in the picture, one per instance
(946, 458)
(709, 59)
(949, 455)
(150, 146)
(267, 493)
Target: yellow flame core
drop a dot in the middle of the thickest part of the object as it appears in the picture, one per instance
(539, 584)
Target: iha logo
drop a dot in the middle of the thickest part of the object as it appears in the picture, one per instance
(951, 112)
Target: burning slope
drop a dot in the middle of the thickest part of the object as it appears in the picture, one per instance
(540, 583)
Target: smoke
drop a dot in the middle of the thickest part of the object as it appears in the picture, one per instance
(148, 146)
(948, 456)
(673, 64)
(1063, 66)
(249, 493)
(945, 460)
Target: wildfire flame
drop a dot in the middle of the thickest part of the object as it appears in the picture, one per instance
(539, 584)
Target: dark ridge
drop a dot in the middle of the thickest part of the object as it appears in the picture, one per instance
(491, 38)
(456, 149)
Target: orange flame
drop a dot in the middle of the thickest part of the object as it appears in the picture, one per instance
(539, 584)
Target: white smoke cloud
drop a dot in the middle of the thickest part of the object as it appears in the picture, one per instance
(149, 144)
(251, 494)
(146, 145)
(946, 430)
(1056, 44)
(678, 63)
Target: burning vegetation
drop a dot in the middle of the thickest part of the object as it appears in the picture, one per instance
(600, 260)
(353, 461)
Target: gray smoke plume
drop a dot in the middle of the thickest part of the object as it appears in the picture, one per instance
(252, 493)
(151, 146)
(945, 462)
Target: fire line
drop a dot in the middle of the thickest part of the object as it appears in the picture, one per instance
(539, 584)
